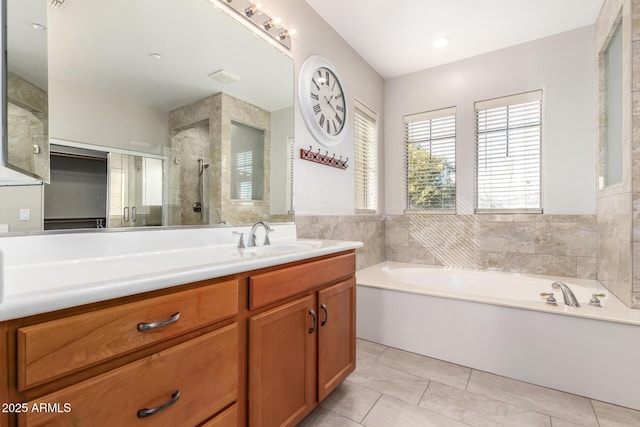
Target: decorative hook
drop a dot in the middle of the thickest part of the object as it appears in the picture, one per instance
(324, 159)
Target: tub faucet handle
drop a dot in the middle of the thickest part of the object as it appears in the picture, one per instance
(550, 299)
(595, 299)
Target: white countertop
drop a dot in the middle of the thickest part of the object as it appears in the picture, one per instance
(34, 284)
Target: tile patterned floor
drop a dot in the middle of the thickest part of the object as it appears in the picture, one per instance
(391, 387)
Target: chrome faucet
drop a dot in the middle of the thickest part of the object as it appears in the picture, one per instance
(252, 233)
(569, 298)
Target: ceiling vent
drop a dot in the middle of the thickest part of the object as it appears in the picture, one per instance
(224, 76)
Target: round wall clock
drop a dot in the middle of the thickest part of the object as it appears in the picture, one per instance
(322, 101)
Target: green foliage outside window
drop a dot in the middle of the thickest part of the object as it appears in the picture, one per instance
(430, 180)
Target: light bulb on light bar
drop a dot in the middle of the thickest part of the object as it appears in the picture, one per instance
(288, 34)
(254, 9)
(272, 23)
(441, 42)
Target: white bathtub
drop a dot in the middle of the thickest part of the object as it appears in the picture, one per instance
(498, 322)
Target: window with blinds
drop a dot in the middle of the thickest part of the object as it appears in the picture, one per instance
(366, 158)
(508, 154)
(430, 155)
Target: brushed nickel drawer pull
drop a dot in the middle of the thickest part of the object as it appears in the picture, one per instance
(143, 413)
(154, 325)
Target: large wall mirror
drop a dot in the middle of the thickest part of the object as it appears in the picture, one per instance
(142, 96)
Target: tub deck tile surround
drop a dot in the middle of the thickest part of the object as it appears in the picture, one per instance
(487, 399)
(563, 245)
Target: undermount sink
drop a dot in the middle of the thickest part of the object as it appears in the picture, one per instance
(271, 250)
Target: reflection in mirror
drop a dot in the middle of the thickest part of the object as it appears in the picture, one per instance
(135, 79)
(247, 162)
(611, 104)
(25, 142)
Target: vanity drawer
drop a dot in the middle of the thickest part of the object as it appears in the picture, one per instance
(52, 349)
(229, 418)
(203, 370)
(277, 285)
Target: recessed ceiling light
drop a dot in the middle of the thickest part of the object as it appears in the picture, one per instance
(441, 42)
(155, 56)
(38, 27)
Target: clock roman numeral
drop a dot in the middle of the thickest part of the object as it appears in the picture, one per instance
(338, 96)
(314, 96)
(328, 127)
(338, 107)
(316, 108)
(315, 83)
(339, 121)
(326, 74)
(321, 120)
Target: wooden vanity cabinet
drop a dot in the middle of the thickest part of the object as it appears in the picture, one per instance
(301, 350)
(259, 348)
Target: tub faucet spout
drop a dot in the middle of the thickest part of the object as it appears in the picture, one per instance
(569, 298)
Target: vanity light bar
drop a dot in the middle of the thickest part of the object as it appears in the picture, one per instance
(252, 12)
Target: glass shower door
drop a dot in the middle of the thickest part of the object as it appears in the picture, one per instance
(136, 190)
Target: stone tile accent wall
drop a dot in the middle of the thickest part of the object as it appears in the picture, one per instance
(369, 229)
(618, 207)
(213, 115)
(563, 245)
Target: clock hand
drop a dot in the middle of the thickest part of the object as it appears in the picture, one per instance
(329, 102)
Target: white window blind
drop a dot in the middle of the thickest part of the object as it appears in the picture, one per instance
(366, 158)
(243, 179)
(290, 180)
(508, 153)
(430, 154)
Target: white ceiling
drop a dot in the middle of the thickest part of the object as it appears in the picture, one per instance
(395, 36)
(106, 46)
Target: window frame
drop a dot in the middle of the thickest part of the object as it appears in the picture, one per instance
(494, 104)
(365, 181)
(439, 114)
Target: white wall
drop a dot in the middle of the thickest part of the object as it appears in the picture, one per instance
(83, 115)
(322, 189)
(563, 66)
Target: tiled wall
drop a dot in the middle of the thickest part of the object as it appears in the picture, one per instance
(213, 115)
(618, 206)
(368, 229)
(563, 245)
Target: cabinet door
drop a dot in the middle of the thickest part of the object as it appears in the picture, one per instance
(282, 364)
(336, 335)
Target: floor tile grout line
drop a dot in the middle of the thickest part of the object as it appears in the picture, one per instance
(371, 409)
(595, 414)
(534, 410)
(524, 408)
(423, 393)
(466, 387)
